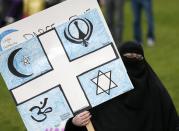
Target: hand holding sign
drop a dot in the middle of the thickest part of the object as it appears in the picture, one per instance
(82, 119)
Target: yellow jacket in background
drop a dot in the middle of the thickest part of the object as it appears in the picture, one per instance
(32, 6)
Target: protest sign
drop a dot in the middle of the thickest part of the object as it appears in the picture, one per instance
(60, 62)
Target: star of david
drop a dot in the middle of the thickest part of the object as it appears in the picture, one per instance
(103, 82)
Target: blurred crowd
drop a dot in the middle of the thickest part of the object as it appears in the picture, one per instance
(114, 10)
(13, 10)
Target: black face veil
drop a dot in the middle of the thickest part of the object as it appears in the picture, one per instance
(138, 72)
(149, 94)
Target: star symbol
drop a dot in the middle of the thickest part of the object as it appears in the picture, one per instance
(103, 82)
(26, 60)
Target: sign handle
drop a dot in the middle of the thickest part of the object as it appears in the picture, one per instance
(90, 127)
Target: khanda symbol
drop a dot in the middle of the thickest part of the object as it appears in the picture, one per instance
(79, 31)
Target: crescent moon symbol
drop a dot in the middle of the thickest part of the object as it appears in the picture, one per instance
(11, 67)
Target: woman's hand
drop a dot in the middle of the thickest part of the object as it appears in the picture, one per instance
(82, 119)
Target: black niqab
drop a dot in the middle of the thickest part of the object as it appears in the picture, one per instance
(146, 108)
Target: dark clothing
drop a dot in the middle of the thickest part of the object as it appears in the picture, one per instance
(115, 18)
(10, 9)
(146, 108)
(15, 9)
(178, 125)
(98, 1)
(137, 6)
(3, 10)
(50, 3)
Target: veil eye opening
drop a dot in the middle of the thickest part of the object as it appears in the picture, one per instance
(136, 56)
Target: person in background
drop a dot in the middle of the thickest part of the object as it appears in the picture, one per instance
(138, 6)
(50, 3)
(11, 11)
(148, 107)
(1, 13)
(115, 18)
(32, 6)
(98, 1)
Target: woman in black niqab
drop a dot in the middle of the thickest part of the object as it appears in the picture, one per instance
(146, 108)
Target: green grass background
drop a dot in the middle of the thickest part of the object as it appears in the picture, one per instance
(163, 57)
